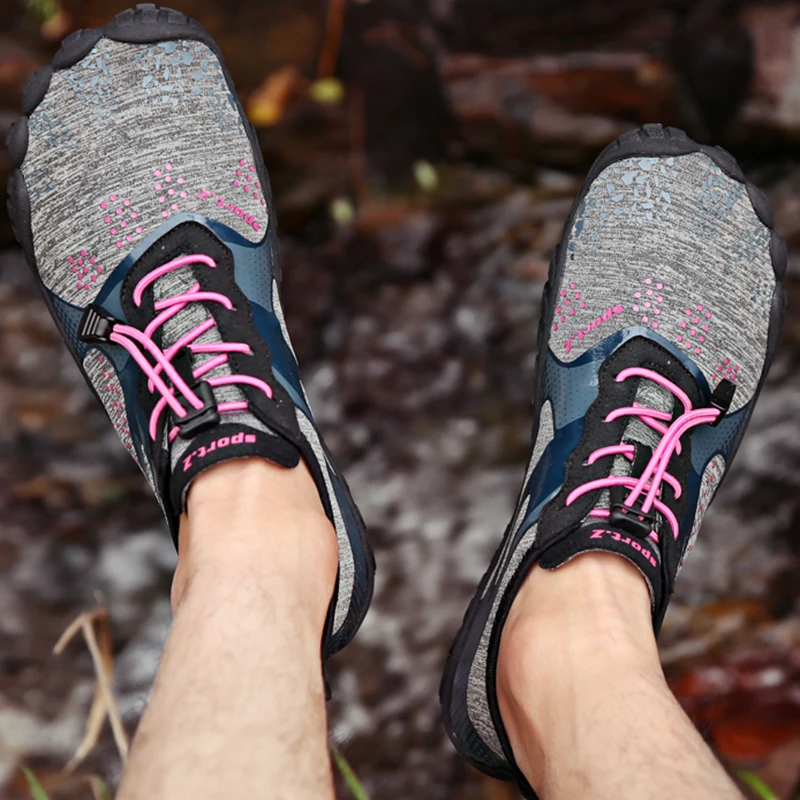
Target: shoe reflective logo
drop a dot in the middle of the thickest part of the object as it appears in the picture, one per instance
(617, 537)
(225, 441)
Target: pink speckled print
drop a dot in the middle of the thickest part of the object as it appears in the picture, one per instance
(114, 401)
(571, 302)
(726, 369)
(85, 268)
(246, 180)
(694, 328)
(170, 189)
(647, 300)
(121, 219)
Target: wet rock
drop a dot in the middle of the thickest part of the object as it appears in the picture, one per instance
(388, 60)
(772, 111)
(712, 50)
(256, 38)
(509, 28)
(556, 109)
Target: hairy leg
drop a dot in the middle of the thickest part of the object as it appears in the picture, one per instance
(238, 707)
(583, 697)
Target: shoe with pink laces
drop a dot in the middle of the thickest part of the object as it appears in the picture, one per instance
(143, 206)
(659, 322)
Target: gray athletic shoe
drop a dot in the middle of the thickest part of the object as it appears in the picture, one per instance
(659, 321)
(142, 204)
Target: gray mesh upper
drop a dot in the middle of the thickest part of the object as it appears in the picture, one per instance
(673, 245)
(124, 139)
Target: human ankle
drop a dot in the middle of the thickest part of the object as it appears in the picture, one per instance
(585, 624)
(248, 519)
(596, 598)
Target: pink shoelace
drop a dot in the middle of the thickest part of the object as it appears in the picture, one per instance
(136, 342)
(655, 474)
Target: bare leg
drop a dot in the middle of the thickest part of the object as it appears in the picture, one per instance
(583, 697)
(238, 706)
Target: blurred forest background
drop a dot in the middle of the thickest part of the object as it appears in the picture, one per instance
(424, 155)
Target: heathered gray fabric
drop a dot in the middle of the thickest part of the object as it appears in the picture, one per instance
(671, 244)
(127, 137)
(477, 703)
(544, 435)
(346, 567)
(105, 381)
(712, 475)
(543, 438)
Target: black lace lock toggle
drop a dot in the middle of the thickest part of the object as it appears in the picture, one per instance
(96, 325)
(721, 398)
(631, 519)
(198, 420)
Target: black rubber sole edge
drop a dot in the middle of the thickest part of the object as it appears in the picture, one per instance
(144, 24)
(650, 140)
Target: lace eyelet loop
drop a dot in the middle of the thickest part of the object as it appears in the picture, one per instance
(721, 398)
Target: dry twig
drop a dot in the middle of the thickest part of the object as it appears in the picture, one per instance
(104, 703)
(332, 39)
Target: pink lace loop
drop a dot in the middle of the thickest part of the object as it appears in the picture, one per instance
(136, 341)
(159, 272)
(626, 450)
(655, 474)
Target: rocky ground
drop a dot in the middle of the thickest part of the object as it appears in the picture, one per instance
(414, 317)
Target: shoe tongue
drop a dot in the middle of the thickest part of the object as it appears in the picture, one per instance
(177, 282)
(600, 535)
(648, 395)
(240, 434)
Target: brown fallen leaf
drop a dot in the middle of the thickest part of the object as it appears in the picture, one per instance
(57, 27)
(748, 738)
(781, 771)
(267, 104)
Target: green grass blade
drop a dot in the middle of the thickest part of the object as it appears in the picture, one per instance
(350, 778)
(42, 10)
(763, 792)
(102, 787)
(33, 784)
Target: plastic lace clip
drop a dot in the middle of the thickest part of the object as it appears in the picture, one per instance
(721, 398)
(96, 325)
(631, 519)
(198, 420)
